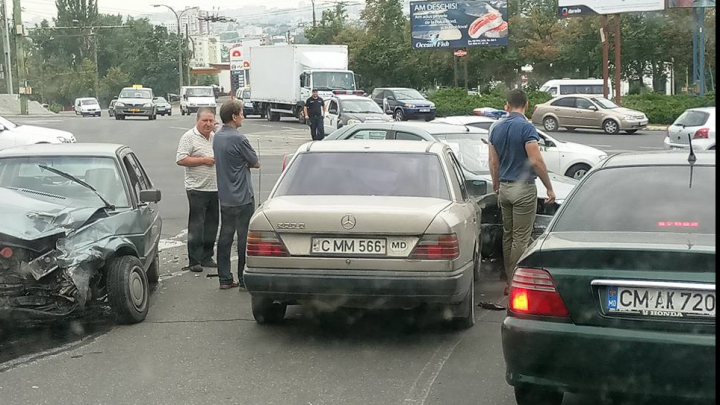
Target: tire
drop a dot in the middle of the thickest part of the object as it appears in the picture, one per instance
(631, 131)
(99, 115)
(128, 290)
(577, 171)
(118, 117)
(153, 272)
(267, 312)
(611, 127)
(536, 396)
(170, 114)
(399, 115)
(467, 306)
(550, 124)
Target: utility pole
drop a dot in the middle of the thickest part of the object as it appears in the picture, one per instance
(618, 62)
(6, 48)
(465, 65)
(20, 56)
(605, 54)
(313, 7)
(97, 67)
(698, 42)
(190, 55)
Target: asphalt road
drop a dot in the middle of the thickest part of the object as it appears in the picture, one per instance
(200, 345)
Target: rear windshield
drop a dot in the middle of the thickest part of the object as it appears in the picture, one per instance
(366, 174)
(643, 199)
(692, 119)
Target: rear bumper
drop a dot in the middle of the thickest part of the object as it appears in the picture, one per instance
(360, 289)
(576, 358)
(698, 144)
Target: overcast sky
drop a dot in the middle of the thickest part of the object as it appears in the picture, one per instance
(38, 9)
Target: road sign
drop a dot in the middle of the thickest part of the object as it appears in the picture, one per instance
(460, 53)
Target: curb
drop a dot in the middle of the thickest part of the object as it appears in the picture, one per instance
(656, 128)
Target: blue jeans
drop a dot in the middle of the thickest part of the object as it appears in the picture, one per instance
(233, 220)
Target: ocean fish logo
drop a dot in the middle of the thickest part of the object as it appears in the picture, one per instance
(435, 39)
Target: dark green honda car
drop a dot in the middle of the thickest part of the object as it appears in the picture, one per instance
(618, 296)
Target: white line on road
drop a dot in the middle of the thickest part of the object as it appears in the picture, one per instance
(419, 392)
(290, 128)
(601, 146)
(651, 147)
(184, 129)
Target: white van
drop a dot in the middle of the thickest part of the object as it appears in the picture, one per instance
(87, 106)
(561, 87)
(194, 97)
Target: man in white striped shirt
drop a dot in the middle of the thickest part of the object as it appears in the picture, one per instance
(195, 153)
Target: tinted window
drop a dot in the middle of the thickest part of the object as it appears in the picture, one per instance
(404, 136)
(360, 106)
(564, 102)
(692, 119)
(333, 109)
(643, 199)
(408, 94)
(583, 103)
(366, 174)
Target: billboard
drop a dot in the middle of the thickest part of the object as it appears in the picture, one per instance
(237, 58)
(572, 8)
(458, 24)
(690, 3)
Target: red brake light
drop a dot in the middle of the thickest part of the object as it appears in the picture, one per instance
(533, 292)
(265, 244)
(6, 253)
(702, 133)
(437, 247)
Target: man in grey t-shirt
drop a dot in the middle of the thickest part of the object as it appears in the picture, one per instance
(234, 157)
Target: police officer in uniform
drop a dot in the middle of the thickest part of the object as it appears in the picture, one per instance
(314, 112)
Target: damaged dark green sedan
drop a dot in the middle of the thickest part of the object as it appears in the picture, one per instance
(79, 227)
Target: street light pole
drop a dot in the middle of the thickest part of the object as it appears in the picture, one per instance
(180, 41)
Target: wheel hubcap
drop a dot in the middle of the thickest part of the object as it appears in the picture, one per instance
(611, 127)
(137, 289)
(550, 125)
(579, 174)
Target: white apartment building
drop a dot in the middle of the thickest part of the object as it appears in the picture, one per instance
(205, 50)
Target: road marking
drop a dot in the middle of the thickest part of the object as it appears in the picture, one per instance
(651, 147)
(266, 126)
(184, 129)
(419, 392)
(289, 128)
(601, 146)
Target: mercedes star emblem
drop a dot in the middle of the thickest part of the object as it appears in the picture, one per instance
(348, 221)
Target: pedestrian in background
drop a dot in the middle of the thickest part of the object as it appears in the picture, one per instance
(314, 112)
(515, 163)
(196, 154)
(234, 157)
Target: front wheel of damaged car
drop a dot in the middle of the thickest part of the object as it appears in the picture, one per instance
(128, 290)
(526, 395)
(267, 311)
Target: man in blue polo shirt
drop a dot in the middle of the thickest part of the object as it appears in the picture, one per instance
(515, 163)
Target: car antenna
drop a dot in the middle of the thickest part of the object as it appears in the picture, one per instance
(691, 159)
(463, 124)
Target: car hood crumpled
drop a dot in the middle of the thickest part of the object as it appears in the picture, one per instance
(29, 218)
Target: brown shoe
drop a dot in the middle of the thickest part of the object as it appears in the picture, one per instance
(234, 284)
(507, 291)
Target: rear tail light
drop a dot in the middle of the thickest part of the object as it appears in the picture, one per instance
(533, 292)
(265, 244)
(702, 133)
(437, 247)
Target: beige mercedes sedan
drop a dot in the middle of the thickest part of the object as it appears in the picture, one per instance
(366, 224)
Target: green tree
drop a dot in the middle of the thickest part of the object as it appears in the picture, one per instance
(331, 24)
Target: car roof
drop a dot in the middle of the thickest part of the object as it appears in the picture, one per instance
(660, 158)
(64, 149)
(374, 146)
(464, 119)
(437, 128)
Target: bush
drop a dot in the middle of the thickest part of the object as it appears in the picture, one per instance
(55, 107)
(451, 102)
(662, 109)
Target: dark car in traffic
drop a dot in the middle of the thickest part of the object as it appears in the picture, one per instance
(404, 104)
(79, 228)
(618, 296)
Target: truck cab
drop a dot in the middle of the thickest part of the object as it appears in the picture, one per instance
(326, 81)
(193, 98)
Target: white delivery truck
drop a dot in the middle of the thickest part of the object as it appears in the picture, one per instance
(283, 77)
(194, 97)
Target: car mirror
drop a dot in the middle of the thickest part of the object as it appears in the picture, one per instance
(2, 127)
(390, 98)
(541, 143)
(592, 108)
(150, 196)
(476, 188)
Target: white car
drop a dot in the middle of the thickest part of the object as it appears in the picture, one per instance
(342, 110)
(568, 158)
(12, 134)
(87, 106)
(699, 123)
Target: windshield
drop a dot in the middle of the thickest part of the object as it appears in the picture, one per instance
(643, 199)
(360, 106)
(136, 93)
(88, 102)
(327, 81)
(200, 92)
(604, 103)
(101, 173)
(471, 150)
(408, 94)
(366, 174)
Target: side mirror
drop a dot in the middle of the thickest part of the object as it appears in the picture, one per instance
(592, 108)
(390, 98)
(476, 188)
(542, 143)
(2, 127)
(150, 196)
